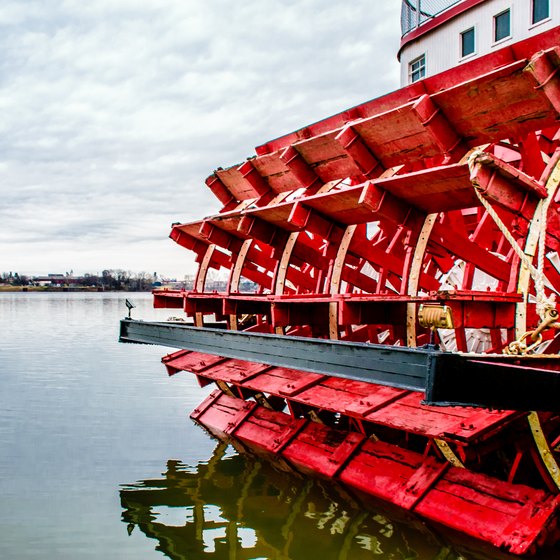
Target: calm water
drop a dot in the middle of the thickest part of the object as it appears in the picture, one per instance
(98, 458)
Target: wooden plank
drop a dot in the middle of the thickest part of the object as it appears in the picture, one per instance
(344, 198)
(253, 177)
(445, 504)
(240, 417)
(439, 189)
(168, 299)
(206, 404)
(276, 172)
(446, 296)
(284, 313)
(357, 149)
(488, 491)
(409, 415)
(185, 360)
(344, 452)
(327, 157)
(228, 222)
(234, 371)
(263, 428)
(343, 206)
(220, 191)
(381, 470)
(544, 68)
(189, 242)
(421, 482)
(482, 424)
(462, 424)
(473, 504)
(275, 214)
(315, 447)
(191, 228)
(217, 411)
(291, 431)
(525, 530)
(511, 106)
(354, 398)
(213, 233)
(397, 136)
(300, 168)
(303, 383)
(236, 183)
(205, 306)
(490, 509)
(283, 381)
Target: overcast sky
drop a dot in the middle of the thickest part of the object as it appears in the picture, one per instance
(113, 113)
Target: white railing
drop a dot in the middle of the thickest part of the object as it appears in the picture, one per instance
(414, 13)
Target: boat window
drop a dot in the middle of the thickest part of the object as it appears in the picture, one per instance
(417, 69)
(502, 26)
(540, 10)
(467, 42)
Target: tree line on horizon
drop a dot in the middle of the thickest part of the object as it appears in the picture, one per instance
(110, 279)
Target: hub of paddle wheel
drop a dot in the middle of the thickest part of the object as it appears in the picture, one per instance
(425, 218)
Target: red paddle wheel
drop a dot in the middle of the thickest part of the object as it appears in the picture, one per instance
(428, 216)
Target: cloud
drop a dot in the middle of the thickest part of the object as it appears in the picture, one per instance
(114, 112)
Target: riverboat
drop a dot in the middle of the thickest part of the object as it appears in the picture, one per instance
(390, 318)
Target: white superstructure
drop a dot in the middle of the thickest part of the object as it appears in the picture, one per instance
(441, 34)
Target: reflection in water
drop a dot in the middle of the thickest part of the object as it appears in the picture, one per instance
(239, 507)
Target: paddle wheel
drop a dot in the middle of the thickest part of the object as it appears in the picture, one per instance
(425, 219)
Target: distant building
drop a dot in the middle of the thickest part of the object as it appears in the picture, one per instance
(54, 280)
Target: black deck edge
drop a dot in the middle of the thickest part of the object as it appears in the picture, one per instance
(446, 378)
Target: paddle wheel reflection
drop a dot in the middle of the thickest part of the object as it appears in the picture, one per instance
(239, 507)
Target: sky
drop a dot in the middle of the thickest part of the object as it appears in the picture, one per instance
(114, 112)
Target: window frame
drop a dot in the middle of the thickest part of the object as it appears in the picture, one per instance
(495, 26)
(462, 34)
(421, 69)
(534, 23)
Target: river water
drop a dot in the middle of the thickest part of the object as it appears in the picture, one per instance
(98, 458)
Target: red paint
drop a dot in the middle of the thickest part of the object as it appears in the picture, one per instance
(512, 517)
(330, 223)
(376, 404)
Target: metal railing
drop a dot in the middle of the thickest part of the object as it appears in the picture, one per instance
(414, 13)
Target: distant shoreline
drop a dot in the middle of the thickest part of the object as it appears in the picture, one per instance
(63, 289)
